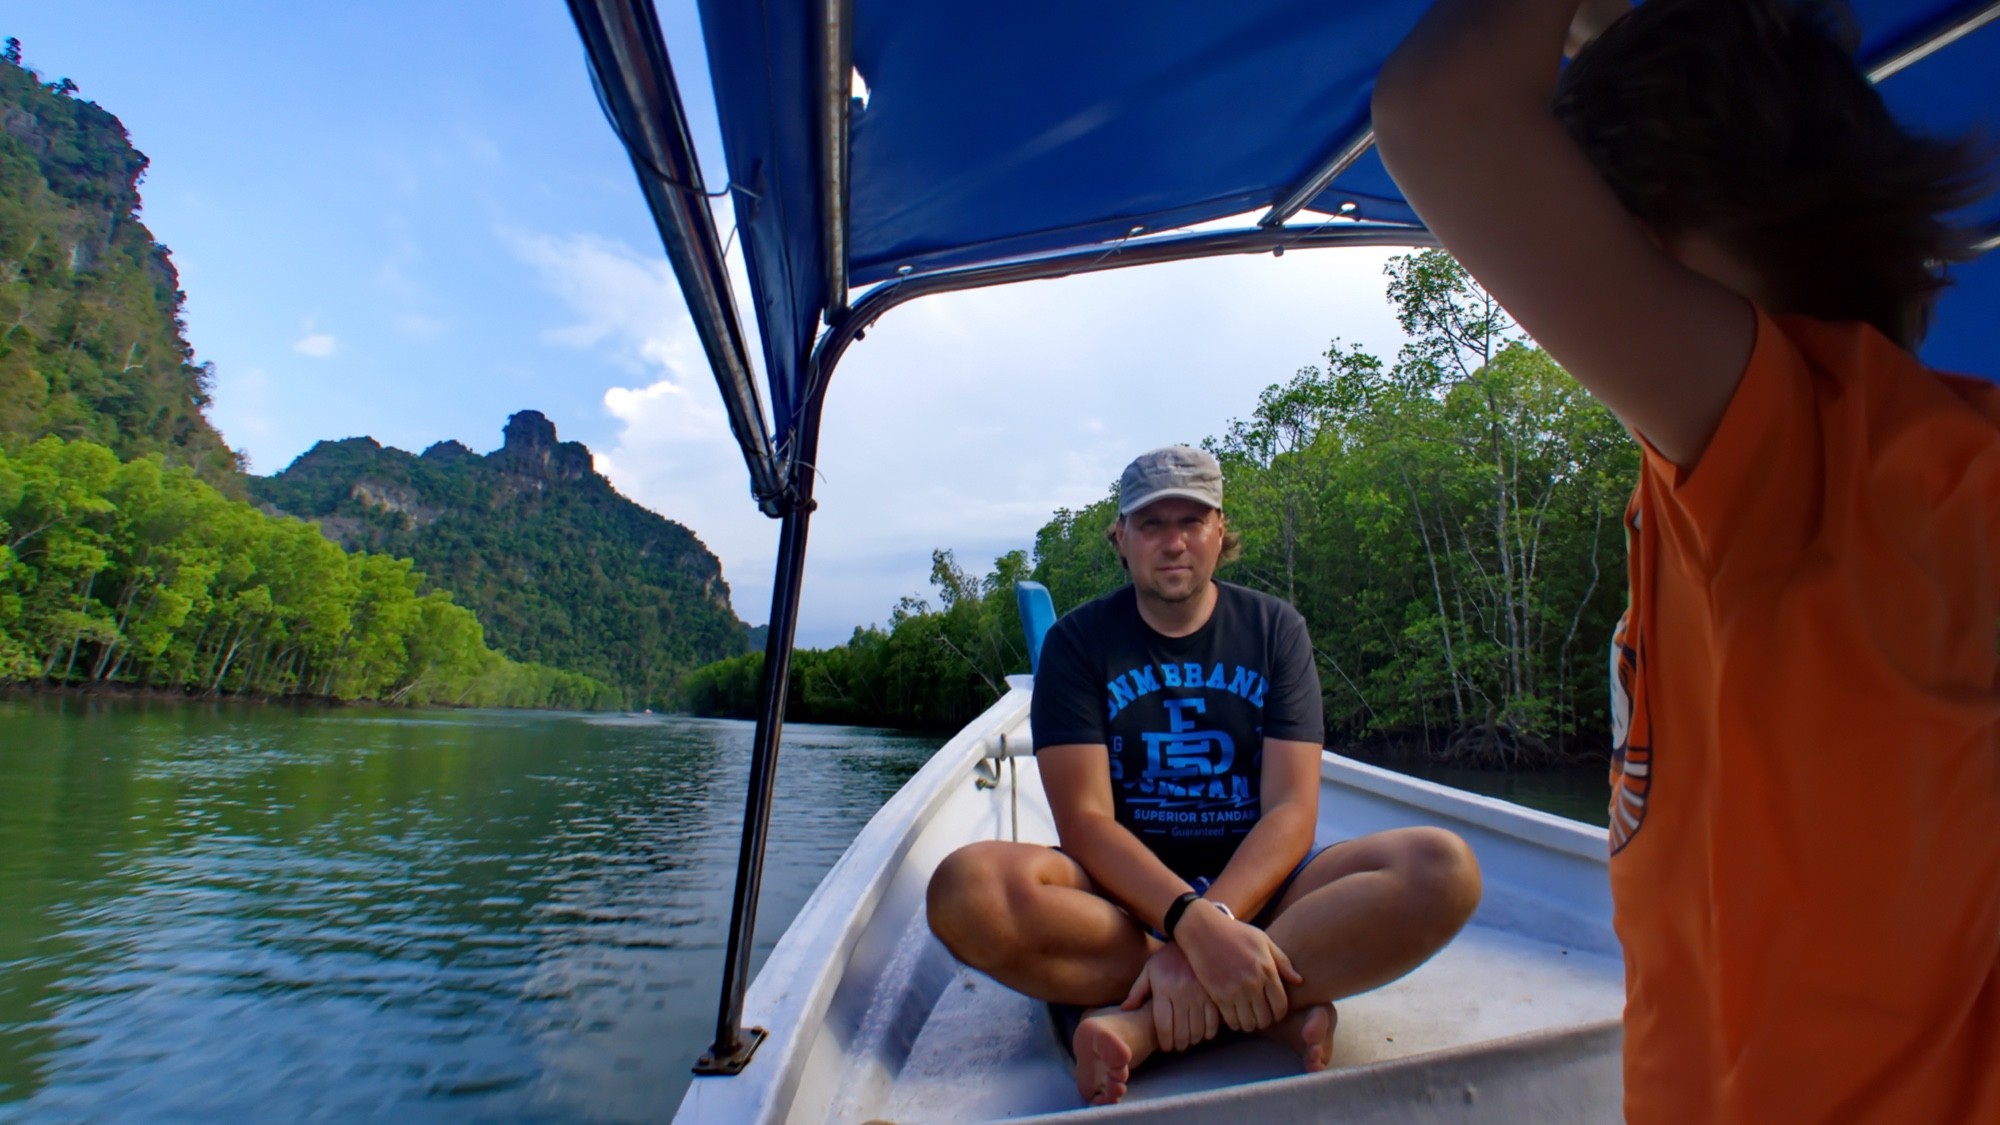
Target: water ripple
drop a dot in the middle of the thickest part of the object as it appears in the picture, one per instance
(207, 912)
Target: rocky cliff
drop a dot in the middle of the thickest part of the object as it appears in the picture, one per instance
(560, 568)
(91, 340)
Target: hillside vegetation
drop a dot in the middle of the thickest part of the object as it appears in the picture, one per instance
(138, 574)
(92, 345)
(561, 569)
(128, 555)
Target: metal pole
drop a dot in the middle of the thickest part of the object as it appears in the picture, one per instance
(836, 66)
(1090, 259)
(1321, 177)
(628, 59)
(1934, 39)
(735, 1044)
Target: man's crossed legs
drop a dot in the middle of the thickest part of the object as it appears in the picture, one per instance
(1361, 914)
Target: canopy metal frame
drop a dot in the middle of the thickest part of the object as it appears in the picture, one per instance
(836, 68)
(1931, 40)
(1321, 178)
(635, 80)
(735, 1044)
(628, 61)
(1905, 55)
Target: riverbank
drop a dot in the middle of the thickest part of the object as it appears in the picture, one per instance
(111, 691)
(129, 693)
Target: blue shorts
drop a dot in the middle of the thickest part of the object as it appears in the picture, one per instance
(1264, 917)
(1269, 914)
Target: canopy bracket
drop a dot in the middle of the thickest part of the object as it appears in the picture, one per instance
(733, 1061)
(1322, 177)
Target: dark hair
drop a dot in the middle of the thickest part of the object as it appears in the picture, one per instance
(1232, 543)
(1749, 121)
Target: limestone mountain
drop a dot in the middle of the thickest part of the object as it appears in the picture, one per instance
(91, 339)
(560, 568)
(128, 557)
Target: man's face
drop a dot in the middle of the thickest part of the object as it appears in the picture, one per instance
(1171, 547)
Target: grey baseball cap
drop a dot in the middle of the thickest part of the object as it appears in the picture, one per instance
(1176, 470)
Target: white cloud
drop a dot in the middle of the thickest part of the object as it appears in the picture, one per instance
(628, 302)
(318, 345)
(482, 149)
(420, 326)
(962, 421)
(397, 274)
(393, 277)
(674, 452)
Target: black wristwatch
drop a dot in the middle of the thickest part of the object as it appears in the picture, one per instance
(1176, 912)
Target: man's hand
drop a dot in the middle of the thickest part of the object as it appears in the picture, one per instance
(1239, 966)
(1183, 1015)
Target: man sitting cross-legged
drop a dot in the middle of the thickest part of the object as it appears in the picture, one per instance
(1178, 727)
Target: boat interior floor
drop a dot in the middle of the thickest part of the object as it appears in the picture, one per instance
(987, 1052)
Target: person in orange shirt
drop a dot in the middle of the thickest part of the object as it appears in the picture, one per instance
(1712, 221)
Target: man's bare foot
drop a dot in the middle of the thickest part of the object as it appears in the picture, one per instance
(1109, 1043)
(1308, 1031)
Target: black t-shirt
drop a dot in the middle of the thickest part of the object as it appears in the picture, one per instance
(1184, 718)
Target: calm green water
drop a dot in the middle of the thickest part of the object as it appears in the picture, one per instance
(267, 914)
(210, 912)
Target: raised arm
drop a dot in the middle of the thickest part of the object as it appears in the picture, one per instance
(1463, 124)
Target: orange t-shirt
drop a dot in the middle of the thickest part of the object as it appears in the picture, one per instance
(1806, 791)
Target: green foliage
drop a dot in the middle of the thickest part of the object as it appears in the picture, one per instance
(1450, 525)
(559, 567)
(1451, 528)
(1071, 556)
(932, 669)
(91, 338)
(141, 575)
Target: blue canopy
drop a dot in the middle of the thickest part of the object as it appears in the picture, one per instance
(996, 132)
(1004, 142)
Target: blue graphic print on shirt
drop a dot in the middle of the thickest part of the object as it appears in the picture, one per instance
(1183, 718)
(1141, 681)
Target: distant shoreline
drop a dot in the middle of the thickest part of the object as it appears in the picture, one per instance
(35, 690)
(125, 692)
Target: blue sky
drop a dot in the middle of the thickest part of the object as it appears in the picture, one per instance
(409, 220)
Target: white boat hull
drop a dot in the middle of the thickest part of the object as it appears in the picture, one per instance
(869, 1019)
